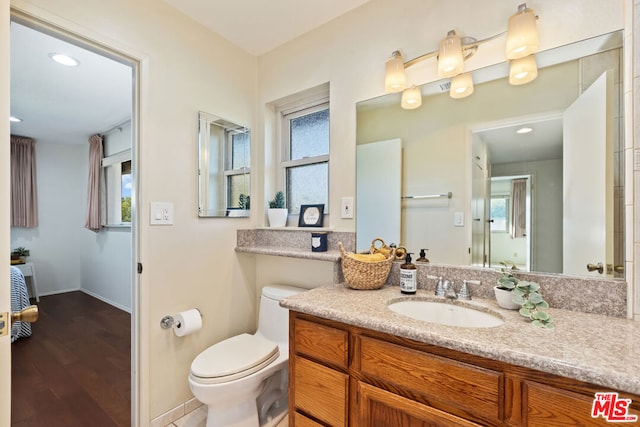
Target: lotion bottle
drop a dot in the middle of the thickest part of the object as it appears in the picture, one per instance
(408, 276)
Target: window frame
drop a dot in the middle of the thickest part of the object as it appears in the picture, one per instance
(107, 163)
(228, 171)
(302, 107)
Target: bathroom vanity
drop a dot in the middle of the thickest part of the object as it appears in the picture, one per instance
(355, 362)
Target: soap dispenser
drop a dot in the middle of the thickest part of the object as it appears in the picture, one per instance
(423, 256)
(408, 276)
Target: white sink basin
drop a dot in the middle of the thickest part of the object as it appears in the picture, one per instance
(446, 314)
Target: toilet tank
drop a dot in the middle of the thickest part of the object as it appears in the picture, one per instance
(273, 321)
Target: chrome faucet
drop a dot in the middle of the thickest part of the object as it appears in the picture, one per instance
(439, 287)
(449, 290)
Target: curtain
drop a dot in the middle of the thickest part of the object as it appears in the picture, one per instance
(24, 212)
(518, 207)
(93, 219)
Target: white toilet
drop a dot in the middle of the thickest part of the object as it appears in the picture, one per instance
(244, 379)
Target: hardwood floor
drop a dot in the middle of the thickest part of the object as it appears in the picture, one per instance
(75, 369)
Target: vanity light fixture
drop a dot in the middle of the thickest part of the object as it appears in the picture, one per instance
(523, 36)
(63, 59)
(522, 43)
(14, 119)
(411, 98)
(450, 58)
(523, 70)
(461, 86)
(395, 78)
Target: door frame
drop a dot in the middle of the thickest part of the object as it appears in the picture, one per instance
(135, 61)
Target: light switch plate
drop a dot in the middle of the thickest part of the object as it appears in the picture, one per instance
(161, 213)
(346, 207)
(458, 219)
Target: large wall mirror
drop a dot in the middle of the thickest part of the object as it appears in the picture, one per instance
(224, 158)
(474, 191)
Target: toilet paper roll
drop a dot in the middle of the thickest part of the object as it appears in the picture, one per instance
(187, 322)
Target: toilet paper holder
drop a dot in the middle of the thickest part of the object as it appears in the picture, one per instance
(167, 322)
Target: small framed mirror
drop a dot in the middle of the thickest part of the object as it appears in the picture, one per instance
(224, 173)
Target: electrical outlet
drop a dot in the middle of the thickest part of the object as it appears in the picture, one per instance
(161, 213)
(346, 209)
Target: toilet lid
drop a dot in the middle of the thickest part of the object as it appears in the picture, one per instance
(233, 358)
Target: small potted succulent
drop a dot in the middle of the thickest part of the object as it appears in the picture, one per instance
(513, 293)
(20, 253)
(277, 211)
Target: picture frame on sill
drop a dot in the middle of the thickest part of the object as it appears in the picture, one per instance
(311, 215)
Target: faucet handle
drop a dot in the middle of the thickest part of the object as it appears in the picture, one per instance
(464, 293)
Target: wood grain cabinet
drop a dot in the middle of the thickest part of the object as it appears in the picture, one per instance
(342, 375)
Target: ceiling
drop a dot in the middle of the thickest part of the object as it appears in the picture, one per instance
(67, 105)
(259, 26)
(59, 104)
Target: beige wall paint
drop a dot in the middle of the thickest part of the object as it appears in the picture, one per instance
(193, 263)
(184, 68)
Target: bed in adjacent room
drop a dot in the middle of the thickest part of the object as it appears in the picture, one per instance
(19, 301)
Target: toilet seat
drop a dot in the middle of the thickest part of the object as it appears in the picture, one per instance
(233, 358)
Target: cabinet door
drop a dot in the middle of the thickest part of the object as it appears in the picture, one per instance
(546, 406)
(380, 408)
(463, 389)
(320, 392)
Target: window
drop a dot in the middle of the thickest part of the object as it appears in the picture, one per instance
(117, 194)
(305, 154)
(237, 169)
(499, 214)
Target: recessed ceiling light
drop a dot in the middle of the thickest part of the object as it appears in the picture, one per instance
(524, 130)
(14, 119)
(63, 59)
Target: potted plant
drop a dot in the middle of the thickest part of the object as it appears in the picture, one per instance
(20, 253)
(513, 293)
(277, 211)
(506, 284)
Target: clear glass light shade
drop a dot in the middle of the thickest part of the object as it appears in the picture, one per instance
(395, 78)
(522, 35)
(461, 86)
(411, 98)
(523, 70)
(450, 60)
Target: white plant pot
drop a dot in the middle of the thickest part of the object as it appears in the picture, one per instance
(504, 299)
(277, 217)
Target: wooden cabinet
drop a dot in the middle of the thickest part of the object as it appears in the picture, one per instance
(345, 375)
(380, 408)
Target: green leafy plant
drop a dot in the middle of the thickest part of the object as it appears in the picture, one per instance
(20, 251)
(278, 201)
(527, 295)
(244, 201)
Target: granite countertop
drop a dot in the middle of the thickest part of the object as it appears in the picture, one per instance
(593, 348)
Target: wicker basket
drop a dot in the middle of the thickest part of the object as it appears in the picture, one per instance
(365, 275)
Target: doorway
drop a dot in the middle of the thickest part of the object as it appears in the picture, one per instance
(71, 260)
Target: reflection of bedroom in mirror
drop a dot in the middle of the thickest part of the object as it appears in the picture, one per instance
(471, 147)
(224, 159)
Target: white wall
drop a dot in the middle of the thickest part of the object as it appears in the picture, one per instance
(106, 260)
(56, 244)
